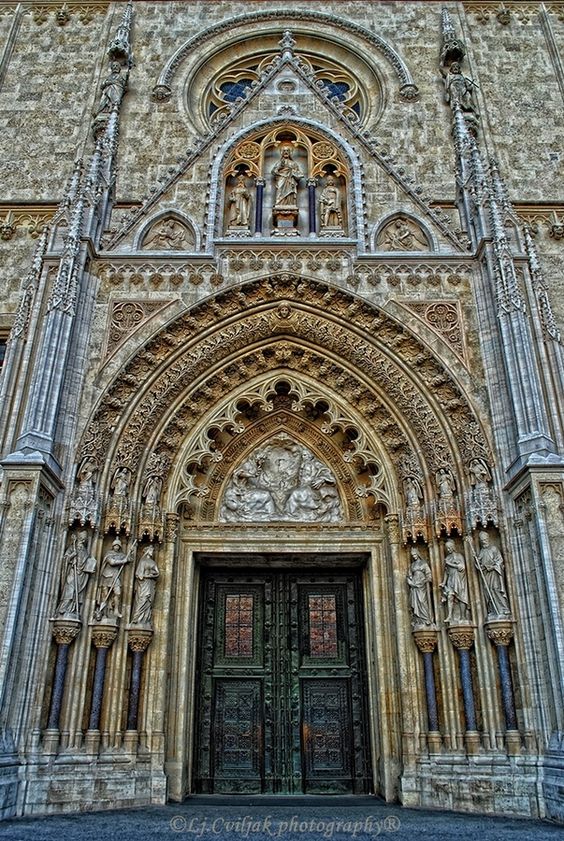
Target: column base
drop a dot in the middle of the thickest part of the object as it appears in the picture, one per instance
(51, 739)
(513, 742)
(92, 741)
(472, 739)
(434, 741)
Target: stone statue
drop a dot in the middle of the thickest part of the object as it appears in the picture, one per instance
(239, 204)
(108, 602)
(282, 481)
(152, 491)
(78, 565)
(460, 89)
(168, 235)
(413, 494)
(402, 235)
(113, 88)
(419, 583)
(120, 482)
(446, 488)
(330, 205)
(146, 576)
(287, 174)
(490, 564)
(455, 585)
(479, 472)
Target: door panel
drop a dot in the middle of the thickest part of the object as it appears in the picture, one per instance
(281, 705)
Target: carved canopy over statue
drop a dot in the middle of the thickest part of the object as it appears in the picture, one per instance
(287, 183)
(281, 481)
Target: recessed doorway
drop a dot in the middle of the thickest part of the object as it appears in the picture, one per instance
(281, 683)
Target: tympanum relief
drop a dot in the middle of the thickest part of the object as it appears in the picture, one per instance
(169, 235)
(282, 481)
(286, 184)
(401, 235)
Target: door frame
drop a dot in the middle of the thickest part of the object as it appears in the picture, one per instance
(251, 548)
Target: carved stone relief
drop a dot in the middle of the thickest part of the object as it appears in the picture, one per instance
(402, 235)
(16, 501)
(169, 235)
(126, 316)
(445, 319)
(281, 481)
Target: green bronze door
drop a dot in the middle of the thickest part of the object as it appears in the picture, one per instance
(281, 684)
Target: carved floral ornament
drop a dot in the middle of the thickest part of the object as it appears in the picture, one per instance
(398, 388)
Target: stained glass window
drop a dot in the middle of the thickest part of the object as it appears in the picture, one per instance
(233, 90)
(239, 626)
(322, 626)
(338, 89)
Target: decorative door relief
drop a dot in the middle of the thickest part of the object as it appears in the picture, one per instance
(286, 184)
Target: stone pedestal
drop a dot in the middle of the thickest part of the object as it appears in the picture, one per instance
(285, 220)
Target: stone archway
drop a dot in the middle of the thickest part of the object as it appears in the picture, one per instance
(347, 383)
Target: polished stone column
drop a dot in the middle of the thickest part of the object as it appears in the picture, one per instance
(259, 205)
(462, 638)
(426, 641)
(500, 631)
(138, 640)
(103, 635)
(64, 632)
(311, 185)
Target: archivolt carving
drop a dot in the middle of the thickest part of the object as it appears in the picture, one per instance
(358, 351)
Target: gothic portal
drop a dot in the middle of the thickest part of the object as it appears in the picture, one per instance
(281, 404)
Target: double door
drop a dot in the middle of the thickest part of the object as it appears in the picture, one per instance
(281, 683)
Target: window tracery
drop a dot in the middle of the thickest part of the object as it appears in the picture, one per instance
(235, 82)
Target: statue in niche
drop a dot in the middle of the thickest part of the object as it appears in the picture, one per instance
(113, 88)
(491, 566)
(402, 235)
(460, 89)
(108, 601)
(330, 205)
(419, 583)
(146, 575)
(152, 491)
(78, 566)
(413, 495)
(455, 585)
(239, 204)
(282, 481)
(287, 174)
(120, 483)
(446, 488)
(167, 235)
(479, 473)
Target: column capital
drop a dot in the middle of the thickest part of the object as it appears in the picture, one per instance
(425, 639)
(139, 638)
(103, 635)
(500, 631)
(65, 630)
(462, 635)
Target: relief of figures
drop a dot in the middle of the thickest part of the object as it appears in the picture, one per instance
(401, 235)
(78, 565)
(168, 235)
(455, 585)
(419, 583)
(282, 481)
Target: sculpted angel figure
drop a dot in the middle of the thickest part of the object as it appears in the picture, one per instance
(287, 174)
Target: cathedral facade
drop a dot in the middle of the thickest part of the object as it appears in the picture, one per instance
(281, 415)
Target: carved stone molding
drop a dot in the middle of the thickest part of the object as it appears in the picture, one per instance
(125, 317)
(326, 324)
(425, 640)
(507, 12)
(409, 275)
(171, 275)
(29, 218)
(57, 12)
(445, 319)
(462, 636)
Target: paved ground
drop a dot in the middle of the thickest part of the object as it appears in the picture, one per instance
(258, 822)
